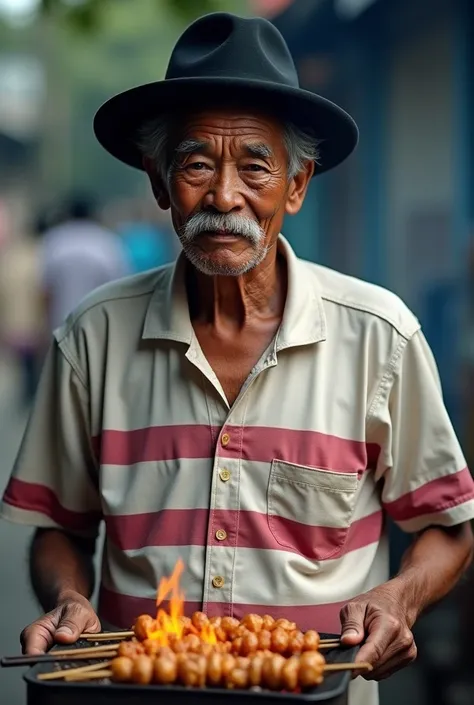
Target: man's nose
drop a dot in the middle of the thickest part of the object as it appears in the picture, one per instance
(225, 192)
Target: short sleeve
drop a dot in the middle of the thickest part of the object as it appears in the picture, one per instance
(54, 482)
(425, 481)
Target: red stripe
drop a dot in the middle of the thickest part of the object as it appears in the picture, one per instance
(32, 497)
(122, 610)
(436, 496)
(254, 443)
(156, 443)
(303, 448)
(191, 527)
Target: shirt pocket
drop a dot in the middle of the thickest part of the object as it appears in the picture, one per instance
(309, 510)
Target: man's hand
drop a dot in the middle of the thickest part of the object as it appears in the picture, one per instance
(73, 615)
(379, 618)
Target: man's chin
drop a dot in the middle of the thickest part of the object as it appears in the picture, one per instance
(219, 264)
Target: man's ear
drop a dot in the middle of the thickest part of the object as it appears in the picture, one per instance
(297, 189)
(159, 189)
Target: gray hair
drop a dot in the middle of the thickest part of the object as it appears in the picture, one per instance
(152, 141)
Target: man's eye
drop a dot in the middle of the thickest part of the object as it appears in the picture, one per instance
(197, 166)
(255, 167)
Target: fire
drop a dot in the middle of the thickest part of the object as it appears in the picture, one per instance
(170, 625)
(208, 634)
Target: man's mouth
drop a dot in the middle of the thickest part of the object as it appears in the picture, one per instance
(221, 234)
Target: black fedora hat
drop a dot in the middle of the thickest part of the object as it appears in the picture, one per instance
(223, 58)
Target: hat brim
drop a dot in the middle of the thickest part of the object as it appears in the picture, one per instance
(117, 121)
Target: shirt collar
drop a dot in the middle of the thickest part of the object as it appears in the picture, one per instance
(303, 322)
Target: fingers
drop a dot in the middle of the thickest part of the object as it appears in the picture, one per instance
(75, 618)
(352, 618)
(63, 625)
(38, 637)
(401, 660)
(388, 647)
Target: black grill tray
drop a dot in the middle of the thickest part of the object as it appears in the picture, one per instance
(333, 691)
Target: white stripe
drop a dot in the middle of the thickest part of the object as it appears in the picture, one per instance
(186, 484)
(151, 486)
(260, 576)
(139, 572)
(293, 580)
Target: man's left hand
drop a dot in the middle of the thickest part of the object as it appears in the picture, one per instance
(378, 619)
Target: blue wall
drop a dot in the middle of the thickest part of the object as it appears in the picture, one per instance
(302, 230)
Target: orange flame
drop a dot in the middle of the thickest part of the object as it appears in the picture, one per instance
(172, 623)
(208, 634)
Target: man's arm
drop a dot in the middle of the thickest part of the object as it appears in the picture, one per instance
(385, 615)
(427, 490)
(54, 487)
(62, 576)
(433, 565)
(60, 562)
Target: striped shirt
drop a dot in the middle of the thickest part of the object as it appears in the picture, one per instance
(277, 503)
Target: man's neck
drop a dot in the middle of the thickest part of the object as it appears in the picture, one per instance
(233, 303)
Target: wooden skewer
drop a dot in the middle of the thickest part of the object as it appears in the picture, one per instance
(329, 645)
(330, 641)
(88, 676)
(362, 666)
(106, 636)
(55, 675)
(84, 650)
(9, 661)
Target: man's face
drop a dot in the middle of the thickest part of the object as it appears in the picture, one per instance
(228, 190)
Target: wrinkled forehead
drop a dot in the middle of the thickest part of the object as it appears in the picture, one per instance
(229, 123)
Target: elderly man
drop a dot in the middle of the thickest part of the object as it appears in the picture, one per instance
(253, 414)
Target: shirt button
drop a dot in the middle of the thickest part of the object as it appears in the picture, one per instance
(218, 581)
(224, 475)
(221, 535)
(225, 439)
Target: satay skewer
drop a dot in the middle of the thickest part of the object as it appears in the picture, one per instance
(84, 650)
(81, 677)
(9, 661)
(107, 636)
(74, 675)
(362, 666)
(56, 675)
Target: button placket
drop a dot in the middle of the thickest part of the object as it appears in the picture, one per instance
(222, 536)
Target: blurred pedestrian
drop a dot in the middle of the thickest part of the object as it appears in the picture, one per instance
(147, 245)
(22, 316)
(78, 255)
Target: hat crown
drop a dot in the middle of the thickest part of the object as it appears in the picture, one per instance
(221, 44)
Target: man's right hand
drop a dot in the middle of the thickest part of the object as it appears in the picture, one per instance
(73, 615)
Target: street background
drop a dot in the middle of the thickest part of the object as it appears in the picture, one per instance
(399, 213)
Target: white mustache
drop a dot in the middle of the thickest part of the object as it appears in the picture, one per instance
(213, 222)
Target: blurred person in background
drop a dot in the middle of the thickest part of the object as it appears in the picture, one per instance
(22, 319)
(78, 255)
(147, 244)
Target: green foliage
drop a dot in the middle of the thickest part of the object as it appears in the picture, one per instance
(91, 50)
(88, 16)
